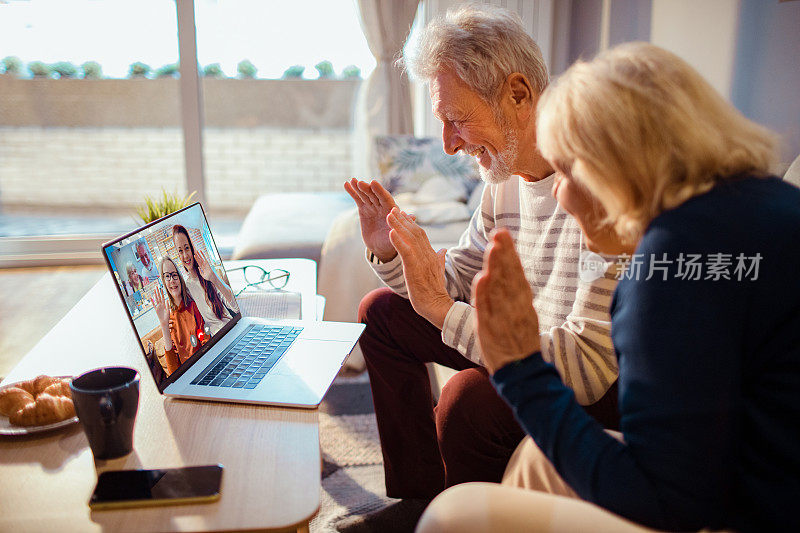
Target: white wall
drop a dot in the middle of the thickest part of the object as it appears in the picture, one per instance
(748, 51)
(116, 167)
(703, 33)
(766, 78)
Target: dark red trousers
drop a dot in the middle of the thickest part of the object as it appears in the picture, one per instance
(468, 436)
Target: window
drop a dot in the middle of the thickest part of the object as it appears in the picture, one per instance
(90, 109)
(83, 134)
(287, 126)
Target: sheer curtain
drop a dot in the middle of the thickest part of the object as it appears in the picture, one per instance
(384, 100)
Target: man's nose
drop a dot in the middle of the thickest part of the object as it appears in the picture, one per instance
(451, 140)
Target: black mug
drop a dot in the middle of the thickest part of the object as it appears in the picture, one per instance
(106, 401)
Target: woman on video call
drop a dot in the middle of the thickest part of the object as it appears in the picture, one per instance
(134, 278)
(181, 322)
(212, 295)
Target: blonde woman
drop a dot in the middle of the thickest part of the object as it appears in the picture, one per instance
(709, 376)
(134, 278)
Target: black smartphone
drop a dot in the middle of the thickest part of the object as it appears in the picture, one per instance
(171, 486)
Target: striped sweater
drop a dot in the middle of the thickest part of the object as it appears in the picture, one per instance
(574, 320)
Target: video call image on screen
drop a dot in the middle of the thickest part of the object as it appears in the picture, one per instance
(175, 288)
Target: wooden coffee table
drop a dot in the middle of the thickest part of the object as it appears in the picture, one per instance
(271, 455)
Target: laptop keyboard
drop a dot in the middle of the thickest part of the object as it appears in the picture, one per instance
(247, 360)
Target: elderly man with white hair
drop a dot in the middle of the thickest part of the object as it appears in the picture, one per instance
(485, 75)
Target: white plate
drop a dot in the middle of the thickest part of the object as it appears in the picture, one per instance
(6, 428)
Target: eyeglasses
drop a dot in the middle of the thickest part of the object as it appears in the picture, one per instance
(254, 276)
(171, 276)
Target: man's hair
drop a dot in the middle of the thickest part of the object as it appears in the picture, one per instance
(645, 132)
(482, 45)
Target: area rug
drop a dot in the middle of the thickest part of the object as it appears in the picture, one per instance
(352, 473)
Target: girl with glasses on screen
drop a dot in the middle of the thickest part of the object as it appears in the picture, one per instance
(181, 322)
(212, 295)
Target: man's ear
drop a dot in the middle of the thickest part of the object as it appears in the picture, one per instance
(519, 88)
(520, 93)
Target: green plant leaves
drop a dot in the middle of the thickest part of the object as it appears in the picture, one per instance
(155, 208)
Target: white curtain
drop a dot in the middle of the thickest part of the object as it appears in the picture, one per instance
(384, 99)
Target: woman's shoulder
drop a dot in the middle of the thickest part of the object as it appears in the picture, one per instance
(751, 192)
(733, 210)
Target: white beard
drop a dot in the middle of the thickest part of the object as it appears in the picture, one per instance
(500, 167)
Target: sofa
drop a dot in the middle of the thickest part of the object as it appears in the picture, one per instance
(289, 225)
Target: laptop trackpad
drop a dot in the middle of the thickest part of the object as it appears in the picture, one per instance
(313, 360)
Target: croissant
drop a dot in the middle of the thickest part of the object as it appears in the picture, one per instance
(45, 410)
(37, 385)
(59, 388)
(39, 401)
(12, 399)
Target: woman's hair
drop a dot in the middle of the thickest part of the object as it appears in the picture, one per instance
(482, 45)
(645, 132)
(211, 292)
(185, 296)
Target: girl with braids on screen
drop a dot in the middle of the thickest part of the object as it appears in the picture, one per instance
(212, 295)
(181, 321)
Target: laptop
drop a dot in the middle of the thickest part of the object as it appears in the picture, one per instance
(197, 344)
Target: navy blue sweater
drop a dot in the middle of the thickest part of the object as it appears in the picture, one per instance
(709, 373)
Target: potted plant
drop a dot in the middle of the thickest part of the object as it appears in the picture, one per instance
(155, 208)
(294, 72)
(168, 71)
(213, 71)
(139, 70)
(351, 72)
(39, 69)
(325, 69)
(12, 66)
(64, 69)
(246, 69)
(92, 70)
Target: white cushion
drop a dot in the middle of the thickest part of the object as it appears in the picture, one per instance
(440, 213)
(439, 189)
(289, 225)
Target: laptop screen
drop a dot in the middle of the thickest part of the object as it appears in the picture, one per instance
(175, 289)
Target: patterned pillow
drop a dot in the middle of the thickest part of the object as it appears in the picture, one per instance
(406, 162)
